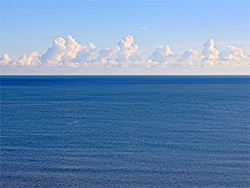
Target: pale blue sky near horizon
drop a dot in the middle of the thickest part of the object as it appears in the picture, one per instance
(26, 26)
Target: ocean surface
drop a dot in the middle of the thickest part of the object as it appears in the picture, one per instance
(125, 131)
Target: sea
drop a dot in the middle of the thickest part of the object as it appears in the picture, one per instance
(125, 131)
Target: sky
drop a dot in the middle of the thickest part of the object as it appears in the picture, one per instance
(125, 37)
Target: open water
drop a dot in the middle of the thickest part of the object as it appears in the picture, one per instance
(124, 131)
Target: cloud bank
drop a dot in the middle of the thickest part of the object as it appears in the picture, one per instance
(67, 53)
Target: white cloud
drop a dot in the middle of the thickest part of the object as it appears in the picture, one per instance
(55, 53)
(125, 55)
(5, 59)
(69, 53)
(160, 57)
(52, 36)
(28, 11)
(105, 57)
(129, 53)
(209, 51)
(210, 54)
(32, 59)
(190, 58)
(232, 53)
(108, 52)
(190, 54)
(234, 57)
(161, 54)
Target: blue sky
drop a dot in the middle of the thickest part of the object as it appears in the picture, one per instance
(28, 26)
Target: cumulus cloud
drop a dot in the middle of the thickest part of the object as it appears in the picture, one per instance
(67, 52)
(209, 51)
(108, 52)
(190, 54)
(125, 55)
(55, 53)
(161, 53)
(232, 53)
(105, 57)
(5, 59)
(32, 59)
(190, 58)
(210, 54)
(129, 52)
(234, 57)
(160, 56)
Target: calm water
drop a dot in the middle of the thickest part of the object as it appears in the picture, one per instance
(125, 131)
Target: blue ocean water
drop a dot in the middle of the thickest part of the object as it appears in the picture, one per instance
(125, 131)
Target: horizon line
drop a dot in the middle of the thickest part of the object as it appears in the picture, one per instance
(125, 75)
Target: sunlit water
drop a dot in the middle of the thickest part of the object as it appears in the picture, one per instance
(127, 131)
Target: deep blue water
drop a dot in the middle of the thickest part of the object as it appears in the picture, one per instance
(125, 131)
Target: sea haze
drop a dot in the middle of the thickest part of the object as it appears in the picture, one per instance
(124, 131)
